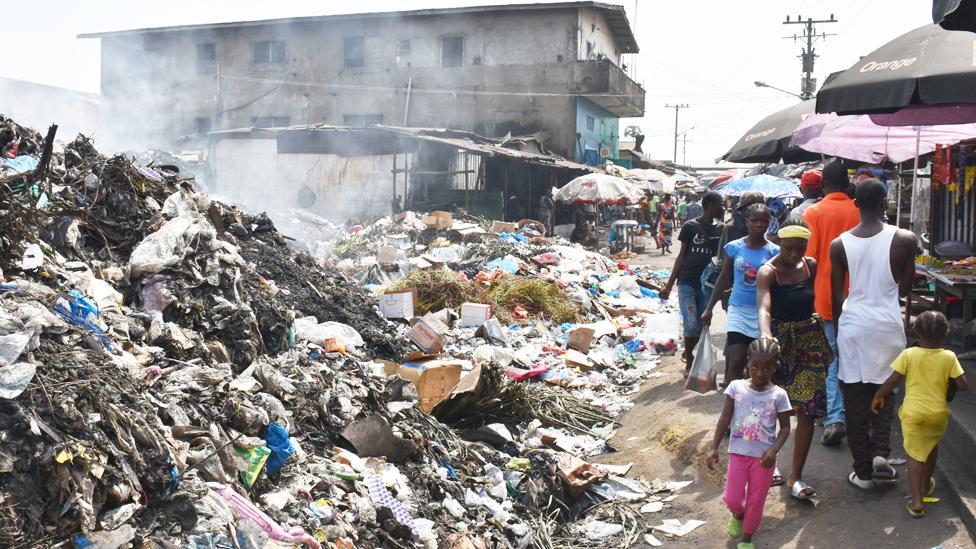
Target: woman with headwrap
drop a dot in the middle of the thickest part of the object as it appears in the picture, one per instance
(784, 299)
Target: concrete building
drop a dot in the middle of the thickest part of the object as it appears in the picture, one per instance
(555, 70)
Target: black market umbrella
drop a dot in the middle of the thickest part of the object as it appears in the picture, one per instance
(955, 14)
(769, 139)
(927, 66)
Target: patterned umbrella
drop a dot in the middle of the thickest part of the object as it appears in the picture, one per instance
(598, 188)
(771, 187)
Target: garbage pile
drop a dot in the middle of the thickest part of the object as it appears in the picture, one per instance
(174, 374)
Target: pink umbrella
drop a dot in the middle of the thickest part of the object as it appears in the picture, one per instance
(857, 137)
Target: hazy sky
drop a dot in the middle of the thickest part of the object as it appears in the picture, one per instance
(706, 53)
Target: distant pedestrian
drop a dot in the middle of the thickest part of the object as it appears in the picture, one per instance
(811, 185)
(929, 371)
(665, 223)
(880, 260)
(785, 301)
(752, 409)
(547, 212)
(652, 205)
(699, 244)
(826, 220)
(682, 206)
(740, 271)
(694, 209)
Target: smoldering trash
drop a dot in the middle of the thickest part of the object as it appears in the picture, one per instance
(175, 373)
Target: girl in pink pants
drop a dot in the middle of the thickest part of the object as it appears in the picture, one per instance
(752, 409)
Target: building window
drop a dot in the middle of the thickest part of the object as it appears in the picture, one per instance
(403, 48)
(271, 121)
(206, 53)
(361, 120)
(452, 51)
(206, 57)
(590, 122)
(268, 52)
(203, 125)
(354, 51)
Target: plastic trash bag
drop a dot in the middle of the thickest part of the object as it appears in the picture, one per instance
(704, 369)
(309, 329)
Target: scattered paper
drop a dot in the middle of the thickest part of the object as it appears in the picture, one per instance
(618, 470)
(676, 485)
(652, 541)
(675, 528)
(652, 507)
(669, 498)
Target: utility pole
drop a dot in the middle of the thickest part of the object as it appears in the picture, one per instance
(808, 86)
(684, 149)
(676, 108)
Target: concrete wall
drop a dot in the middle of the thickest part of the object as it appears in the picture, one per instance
(154, 89)
(595, 38)
(251, 172)
(605, 132)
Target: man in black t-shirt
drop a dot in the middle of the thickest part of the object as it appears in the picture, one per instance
(699, 244)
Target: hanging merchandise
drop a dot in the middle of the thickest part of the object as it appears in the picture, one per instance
(959, 171)
(937, 159)
(970, 178)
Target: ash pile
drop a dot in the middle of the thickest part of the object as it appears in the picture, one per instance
(174, 374)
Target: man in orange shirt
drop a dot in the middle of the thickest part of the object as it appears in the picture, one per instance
(827, 219)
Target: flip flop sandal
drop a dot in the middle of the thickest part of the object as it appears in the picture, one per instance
(799, 487)
(931, 487)
(746, 545)
(913, 512)
(778, 479)
(888, 473)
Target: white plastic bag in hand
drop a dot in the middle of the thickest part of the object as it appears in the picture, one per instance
(704, 369)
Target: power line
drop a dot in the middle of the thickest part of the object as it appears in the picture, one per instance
(676, 108)
(808, 85)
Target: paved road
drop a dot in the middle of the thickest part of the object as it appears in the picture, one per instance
(665, 436)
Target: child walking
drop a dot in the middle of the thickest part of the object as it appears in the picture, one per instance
(929, 372)
(752, 408)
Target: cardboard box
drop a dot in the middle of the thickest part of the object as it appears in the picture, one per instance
(580, 339)
(434, 378)
(438, 220)
(398, 304)
(499, 227)
(578, 359)
(473, 315)
(428, 334)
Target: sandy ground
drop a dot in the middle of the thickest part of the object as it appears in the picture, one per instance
(665, 436)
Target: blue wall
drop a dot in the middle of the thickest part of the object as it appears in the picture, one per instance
(605, 132)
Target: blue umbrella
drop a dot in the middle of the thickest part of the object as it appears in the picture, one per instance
(770, 185)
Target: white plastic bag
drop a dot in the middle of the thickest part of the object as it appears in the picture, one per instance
(309, 329)
(704, 369)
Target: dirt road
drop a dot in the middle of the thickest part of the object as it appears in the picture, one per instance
(665, 436)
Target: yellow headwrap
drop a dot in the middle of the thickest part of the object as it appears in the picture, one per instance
(794, 231)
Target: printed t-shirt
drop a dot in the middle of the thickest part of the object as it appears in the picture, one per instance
(702, 243)
(745, 269)
(755, 417)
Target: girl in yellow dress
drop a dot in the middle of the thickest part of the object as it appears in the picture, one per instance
(928, 371)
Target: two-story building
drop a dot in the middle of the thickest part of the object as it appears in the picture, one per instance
(556, 70)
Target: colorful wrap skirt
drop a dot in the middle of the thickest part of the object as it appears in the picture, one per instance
(805, 356)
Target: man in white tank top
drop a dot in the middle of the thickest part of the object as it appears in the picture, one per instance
(880, 260)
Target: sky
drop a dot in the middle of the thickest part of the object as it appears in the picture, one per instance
(704, 53)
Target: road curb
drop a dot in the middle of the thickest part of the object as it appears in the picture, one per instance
(955, 470)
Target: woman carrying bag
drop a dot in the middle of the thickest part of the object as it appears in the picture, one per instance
(784, 299)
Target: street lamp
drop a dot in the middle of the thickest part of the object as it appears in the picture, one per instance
(765, 85)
